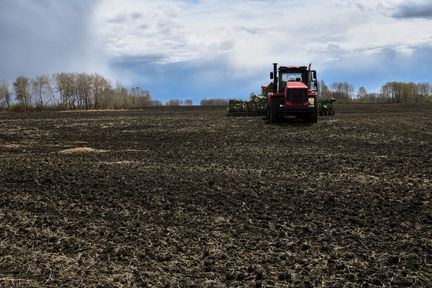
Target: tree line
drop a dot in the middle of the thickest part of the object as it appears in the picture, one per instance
(178, 102)
(71, 91)
(391, 92)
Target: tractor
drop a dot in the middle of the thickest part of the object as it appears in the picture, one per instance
(293, 92)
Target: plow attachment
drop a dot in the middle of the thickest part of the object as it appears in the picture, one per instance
(325, 107)
(256, 106)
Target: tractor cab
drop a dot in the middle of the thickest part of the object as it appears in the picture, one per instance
(294, 93)
(297, 74)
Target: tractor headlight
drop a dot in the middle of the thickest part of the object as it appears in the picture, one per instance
(311, 101)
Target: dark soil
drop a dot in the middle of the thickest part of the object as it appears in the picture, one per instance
(192, 198)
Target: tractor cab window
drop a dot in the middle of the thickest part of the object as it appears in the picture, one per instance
(313, 86)
(292, 77)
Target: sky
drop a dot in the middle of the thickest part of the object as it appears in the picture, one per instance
(197, 49)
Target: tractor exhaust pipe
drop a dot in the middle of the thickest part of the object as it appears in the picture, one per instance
(275, 76)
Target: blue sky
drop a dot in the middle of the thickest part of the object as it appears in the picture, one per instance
(207, 49)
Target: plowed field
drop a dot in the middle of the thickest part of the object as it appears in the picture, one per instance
(188, 197)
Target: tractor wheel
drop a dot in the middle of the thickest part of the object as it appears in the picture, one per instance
(313, 117)
(274, 110)
(267, 116)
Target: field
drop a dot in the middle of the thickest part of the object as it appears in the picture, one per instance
(188, 197)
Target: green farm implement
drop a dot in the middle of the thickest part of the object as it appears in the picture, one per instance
(256, 106)
(325, 107)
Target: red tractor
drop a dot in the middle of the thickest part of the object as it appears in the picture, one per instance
(293, 92)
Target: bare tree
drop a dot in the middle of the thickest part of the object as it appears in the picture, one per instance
(22, 91)
(4, 94)
(142, 98)
(98, 89)
(362, 94)
(77, 91)
(342, 91)
(121, 96)
(389, 92)
(101, 89)
(173, 102)
(408, 92)
(323, 90)
(41, 90)
(65, 84)
(84, 90)
(155, 103)
(146, 98)
(422, 91)
(403, 92)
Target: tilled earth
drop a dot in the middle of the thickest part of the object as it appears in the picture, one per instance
(191, 198)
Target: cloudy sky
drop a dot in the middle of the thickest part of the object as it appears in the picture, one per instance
(194, 49)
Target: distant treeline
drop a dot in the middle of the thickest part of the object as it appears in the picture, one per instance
(178, 102)
(214, 102)
(73, 91)
(391, 92)
(70, 91)
(79, 91)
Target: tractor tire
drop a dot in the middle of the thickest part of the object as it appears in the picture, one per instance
(274, 110)
(313, 117)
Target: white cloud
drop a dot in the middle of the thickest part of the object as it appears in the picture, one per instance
(211, 41)
(252, 34)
